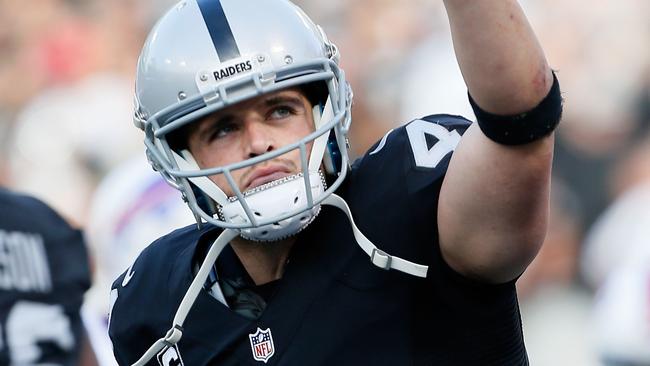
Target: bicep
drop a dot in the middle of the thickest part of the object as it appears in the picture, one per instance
(493, 206)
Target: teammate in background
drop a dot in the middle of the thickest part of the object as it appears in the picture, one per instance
(43, 276)
(408, 256)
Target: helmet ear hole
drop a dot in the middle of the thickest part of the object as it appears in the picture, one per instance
(178, 140)
(316, 92)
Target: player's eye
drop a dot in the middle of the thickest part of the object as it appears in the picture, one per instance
(222, 128)
(281, 111)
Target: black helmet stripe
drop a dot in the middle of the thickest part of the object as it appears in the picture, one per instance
(220, 32)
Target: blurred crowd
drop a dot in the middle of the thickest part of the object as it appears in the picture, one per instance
(66, 136)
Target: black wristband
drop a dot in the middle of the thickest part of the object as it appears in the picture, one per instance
(525, 127)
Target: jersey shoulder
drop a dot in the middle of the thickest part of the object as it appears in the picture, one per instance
(145, 296)
(423, 142)
(156, 260)
(24, 208)
(401, 177)
(411, 157)
(449, 120)
(27, 214)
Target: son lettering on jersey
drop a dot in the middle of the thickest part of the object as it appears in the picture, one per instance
(23, 263)
(235, 69)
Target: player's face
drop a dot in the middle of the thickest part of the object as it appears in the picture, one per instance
(249, 129)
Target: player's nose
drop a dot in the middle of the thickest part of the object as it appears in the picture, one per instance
(259, 138)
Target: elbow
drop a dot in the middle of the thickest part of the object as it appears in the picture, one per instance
(514, 262)
(498, 267)
(497, 258)
(535, 87)
(512, 93)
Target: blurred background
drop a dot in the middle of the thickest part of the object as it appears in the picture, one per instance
(66, 81)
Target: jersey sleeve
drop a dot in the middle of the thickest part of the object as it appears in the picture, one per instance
(135, 305)
(394, 195)
(393, 189)
(413, 156)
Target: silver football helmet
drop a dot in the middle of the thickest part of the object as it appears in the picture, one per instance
(205, 55)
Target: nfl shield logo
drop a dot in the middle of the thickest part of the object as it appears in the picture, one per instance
(262, 345)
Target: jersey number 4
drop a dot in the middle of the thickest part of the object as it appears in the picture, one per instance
(30, 324)
(430, 142)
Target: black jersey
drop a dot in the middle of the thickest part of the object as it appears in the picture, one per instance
(332, 305)
(43, 276)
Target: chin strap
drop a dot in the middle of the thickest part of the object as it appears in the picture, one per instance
(320, 143)
(378, 257)
(187, 162)
(176, 332)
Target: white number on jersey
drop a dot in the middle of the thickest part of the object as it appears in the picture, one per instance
(30, 323)
(425, 157)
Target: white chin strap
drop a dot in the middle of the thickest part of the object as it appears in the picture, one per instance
(377, 257)
(320, 143)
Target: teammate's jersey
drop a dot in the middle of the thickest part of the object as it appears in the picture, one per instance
(332, 305)
(43, 276)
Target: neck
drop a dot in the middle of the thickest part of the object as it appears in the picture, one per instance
(264, 262)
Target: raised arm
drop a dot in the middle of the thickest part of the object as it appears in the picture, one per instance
(493, 207)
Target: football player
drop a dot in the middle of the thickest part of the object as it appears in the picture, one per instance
(407, 256)
(43, 276)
